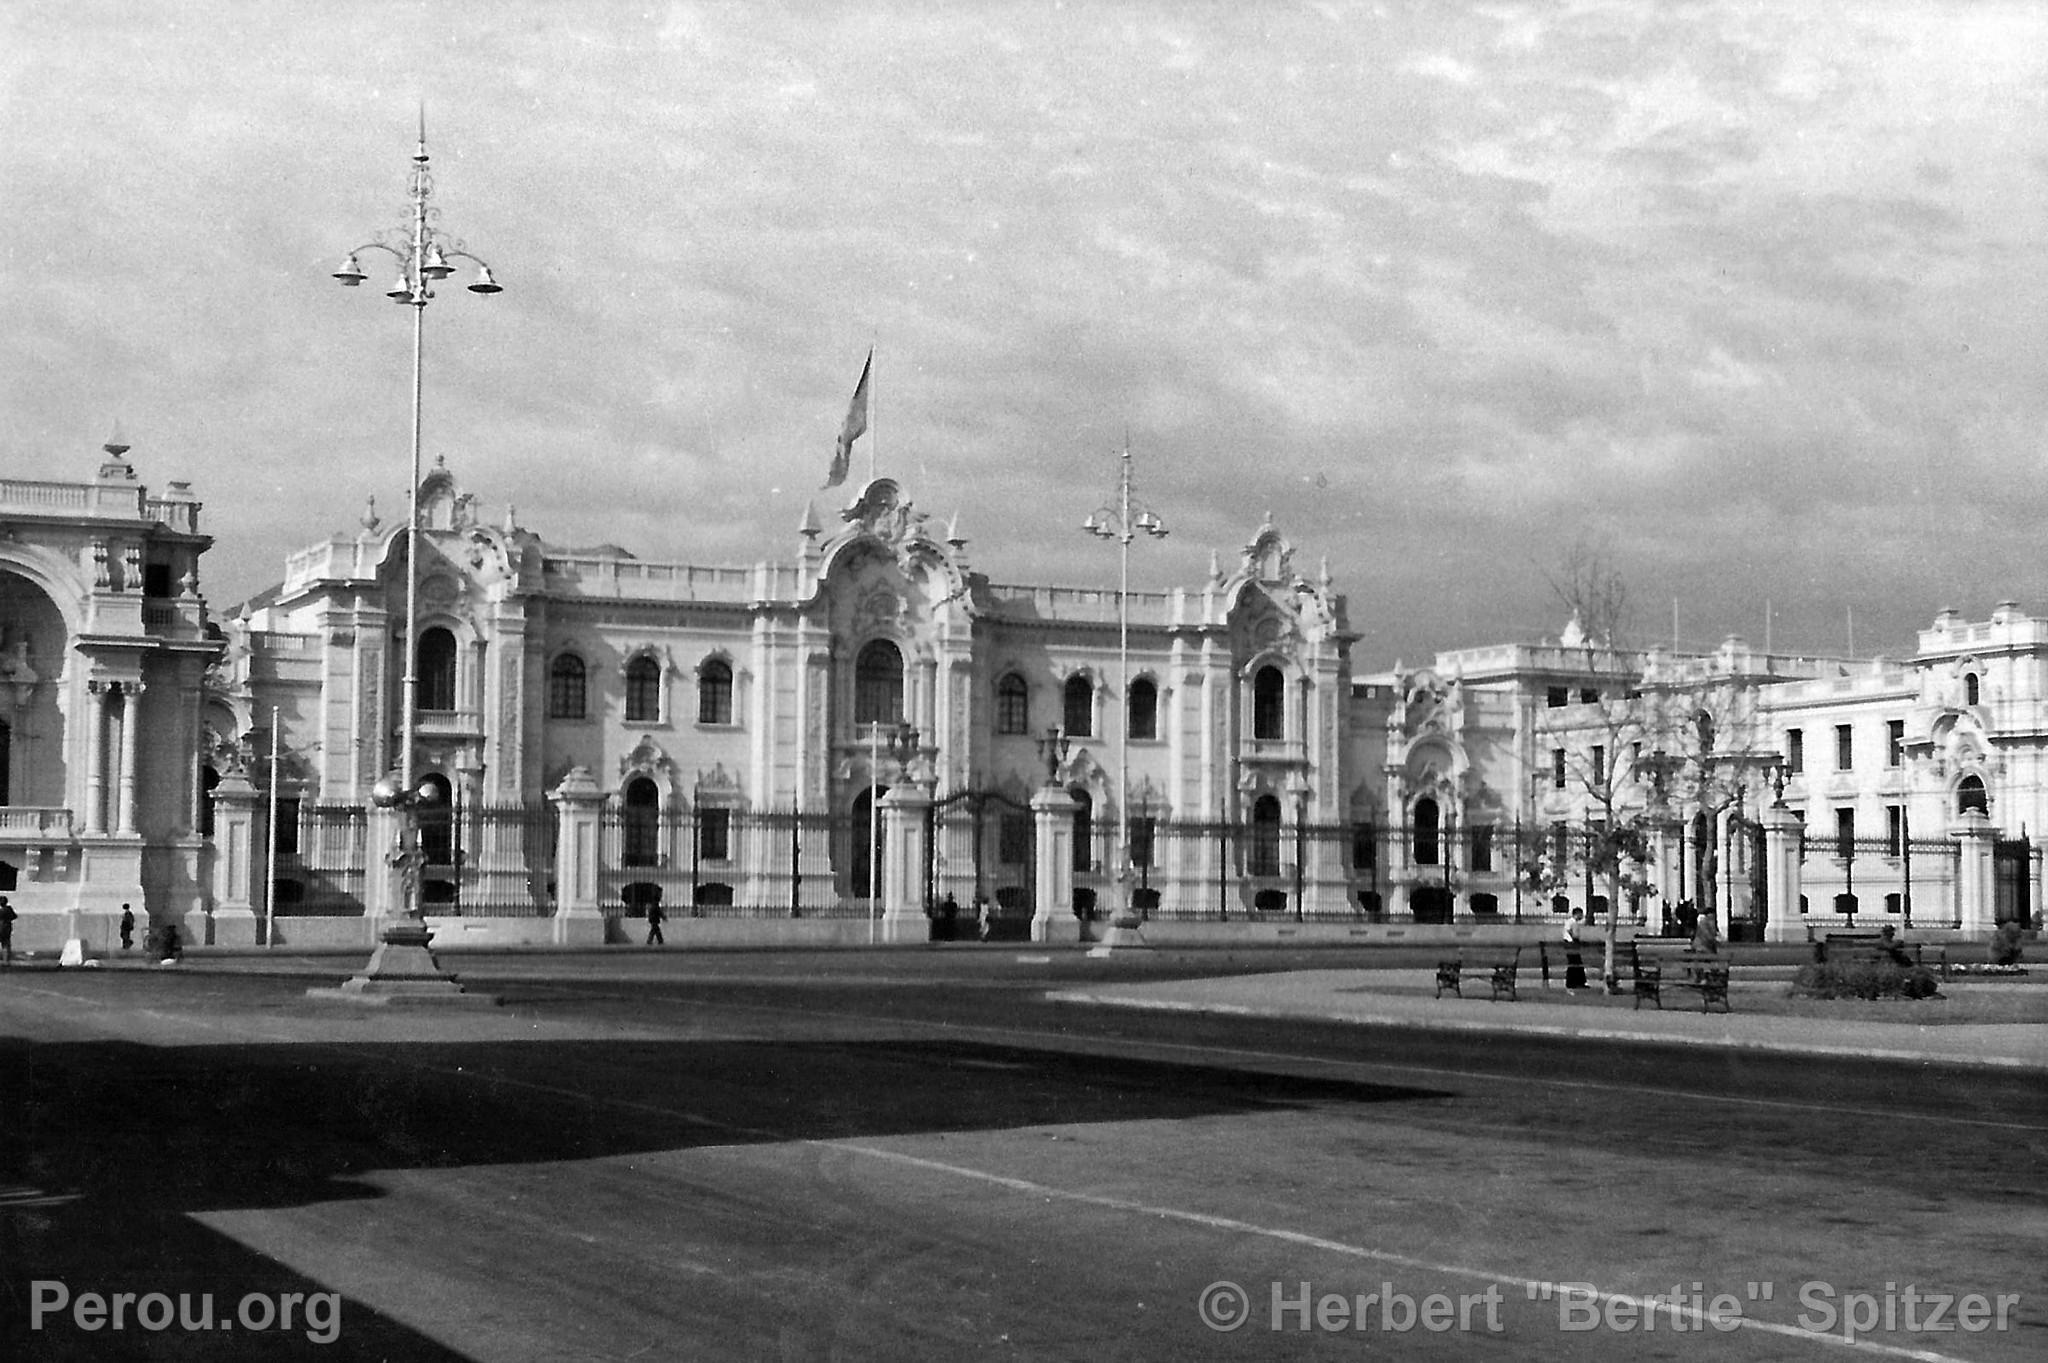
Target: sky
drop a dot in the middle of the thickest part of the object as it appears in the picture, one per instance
(1750, 295)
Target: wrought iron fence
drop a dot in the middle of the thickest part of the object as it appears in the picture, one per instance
(712, 862)
(1908, 880)
(488, 861)
(322, 855)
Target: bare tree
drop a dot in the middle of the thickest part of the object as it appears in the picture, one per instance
(1587, 582)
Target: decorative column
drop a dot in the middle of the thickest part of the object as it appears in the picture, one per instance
(1052, 918)
(905, 848)
(579, 800)
(1976, 885)
(1782, 885)
(237, 861)
(131, 714)
(95, 757)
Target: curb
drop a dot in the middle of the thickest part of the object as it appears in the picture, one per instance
(1723, 1042)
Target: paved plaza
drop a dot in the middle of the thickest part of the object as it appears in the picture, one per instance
(976, 1152)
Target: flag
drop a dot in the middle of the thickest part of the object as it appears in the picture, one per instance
(851, 429)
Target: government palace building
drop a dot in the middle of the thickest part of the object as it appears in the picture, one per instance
(870, 738)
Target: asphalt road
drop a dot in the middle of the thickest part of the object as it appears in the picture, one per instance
(907, 1155)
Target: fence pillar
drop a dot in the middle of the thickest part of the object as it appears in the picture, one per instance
(905, 846)
(579, 916)
(1052, 816)
(1782, 886)
(1976, 878)
(238, 863)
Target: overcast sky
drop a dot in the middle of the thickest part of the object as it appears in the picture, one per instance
(1754, 292)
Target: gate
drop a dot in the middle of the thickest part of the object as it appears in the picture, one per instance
(2013, 866)
(983, 846)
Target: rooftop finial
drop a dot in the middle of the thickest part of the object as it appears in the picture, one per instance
(117, 444)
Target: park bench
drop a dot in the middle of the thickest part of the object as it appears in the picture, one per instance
(1703, 972)
(1851, 948)
(1499, 966)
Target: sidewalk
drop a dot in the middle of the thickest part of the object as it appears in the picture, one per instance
(1403, 998)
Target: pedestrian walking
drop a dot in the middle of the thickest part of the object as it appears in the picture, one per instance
(127, 927)
(655, 918)
(985, 917)
(7, 917)
(170, 944)
(1574, 961)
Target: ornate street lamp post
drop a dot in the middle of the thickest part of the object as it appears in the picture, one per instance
(402, 966)
(1123, 520)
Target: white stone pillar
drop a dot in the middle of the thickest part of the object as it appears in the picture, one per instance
(579, 881)
(1782, 886)
(1976, 884)
(1052, 916)
(131, 715)
(95, 757)
(237, 862)
(905, 843)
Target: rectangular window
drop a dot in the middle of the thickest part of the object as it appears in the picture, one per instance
(1599, 764)
(1141, 843)
(1795, 751)
(1845, 834)
(1482, 847)
(1895, 743)
(1845, 747)
(1588, 696)
(714, 834)
(1895, 829)
(1557, 697)
(1557, 768)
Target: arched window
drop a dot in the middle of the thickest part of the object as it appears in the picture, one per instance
(209, 777)
(1084, 829)
(1970, 795)
(1269, 704)
(1971, 689)
(1265, 848)
(568, 688)
(867, 843)
(643, 691)
(436, 670)
(714, 692)
(1013, 705)
(1144, 708)
(1427, 821)
(640, 828)
(1078, 713)
(878, 684)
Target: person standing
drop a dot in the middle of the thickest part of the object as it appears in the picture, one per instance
(7, 917)
(127, 927)
(1574, 960)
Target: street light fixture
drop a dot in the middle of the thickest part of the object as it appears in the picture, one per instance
(1123, 520)
(402, 965)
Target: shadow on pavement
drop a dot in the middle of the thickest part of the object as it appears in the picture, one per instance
(110, 1145)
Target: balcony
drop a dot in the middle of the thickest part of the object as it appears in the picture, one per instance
(34, 823)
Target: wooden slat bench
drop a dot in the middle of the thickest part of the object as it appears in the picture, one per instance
(1851, 947)
(1500, 965)
(1702, 972)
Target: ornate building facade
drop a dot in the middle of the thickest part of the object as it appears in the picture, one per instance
(104, 650)
(741, 723)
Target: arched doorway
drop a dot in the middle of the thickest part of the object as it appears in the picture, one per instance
(1432, 903)
(865, 863)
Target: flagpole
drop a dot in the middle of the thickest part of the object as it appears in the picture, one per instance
(874, 426)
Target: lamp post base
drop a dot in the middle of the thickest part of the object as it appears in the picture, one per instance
(403, 971)
(1125, 933)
